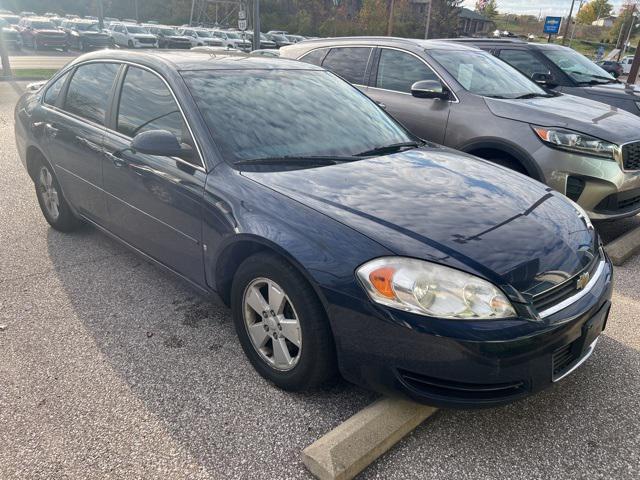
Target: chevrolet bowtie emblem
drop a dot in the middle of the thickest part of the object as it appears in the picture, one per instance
(582, 281)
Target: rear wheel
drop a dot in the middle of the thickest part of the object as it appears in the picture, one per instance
(36, 45)
(54, 206)
(281, 324)
(130, 44)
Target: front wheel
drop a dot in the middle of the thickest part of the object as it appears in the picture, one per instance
(281, 324)
(54, 206)
(130, 44)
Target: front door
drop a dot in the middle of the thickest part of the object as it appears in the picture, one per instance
(154, 203)
(396, 71)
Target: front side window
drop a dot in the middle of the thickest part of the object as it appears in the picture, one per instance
(399, 70)
(331, 117)
(348, 62)
(53, 92)
(89, 91)
(524, 61)
(483, 74)
(147, 104)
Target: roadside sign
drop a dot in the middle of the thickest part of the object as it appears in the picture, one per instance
(552, 25)
(242, 25)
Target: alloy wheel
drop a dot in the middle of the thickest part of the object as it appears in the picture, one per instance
(272, 324)
(49, 193)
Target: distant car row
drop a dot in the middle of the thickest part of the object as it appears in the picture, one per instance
(52, 31)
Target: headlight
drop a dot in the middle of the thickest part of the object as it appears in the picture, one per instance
(434, 290)
(576, 142)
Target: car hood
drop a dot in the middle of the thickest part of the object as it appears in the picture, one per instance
(143, 35)
(177, 37)
(443, 206)
(575, 113)
(49, 32)
(615, 90)
(94, 34)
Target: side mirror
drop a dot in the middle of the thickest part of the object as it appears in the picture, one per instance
(157, 142)
(429, 89)
(543, 79)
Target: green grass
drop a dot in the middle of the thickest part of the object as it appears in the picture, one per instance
(39, 73)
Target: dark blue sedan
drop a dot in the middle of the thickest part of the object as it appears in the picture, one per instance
(341, 242)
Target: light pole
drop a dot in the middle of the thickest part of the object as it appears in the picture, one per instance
(256, 24)
(426, 28)
(566, 27)
(573, 30)
(634, 14)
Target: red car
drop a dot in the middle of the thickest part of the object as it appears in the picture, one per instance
(41, 33)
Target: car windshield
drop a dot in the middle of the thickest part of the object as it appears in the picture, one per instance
(135, 29)
(233, 35)
(167, 31)
(577, 66)
(483, 74)
(202, 33)
(11, 19)
(87, 27)
(249, 112)
(42, 25)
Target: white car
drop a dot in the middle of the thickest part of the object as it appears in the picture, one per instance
(233, 40)
(200, 37)
(132, 36)
(626, 62)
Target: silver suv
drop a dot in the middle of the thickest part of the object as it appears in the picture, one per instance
(465, 98)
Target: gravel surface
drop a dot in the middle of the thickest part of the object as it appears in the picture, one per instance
(110, 368)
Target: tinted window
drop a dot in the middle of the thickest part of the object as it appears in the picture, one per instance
(302, 113)
(89, 90)
(399, 70)
(524, 61)
(349, 63)
(54, 90)
(315, 57)
(147, 104)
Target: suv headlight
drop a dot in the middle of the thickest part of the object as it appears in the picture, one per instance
(433, 290)
(576, 142)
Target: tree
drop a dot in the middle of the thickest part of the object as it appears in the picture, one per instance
(444, 18)
(592, 11)
(488, 8)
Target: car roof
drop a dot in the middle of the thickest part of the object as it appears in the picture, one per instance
(187, 60)
(513, 42)
(388, 41)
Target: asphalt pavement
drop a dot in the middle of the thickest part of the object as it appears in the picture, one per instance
(30, 59)
(111, 368)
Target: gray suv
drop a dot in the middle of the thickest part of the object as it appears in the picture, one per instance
(563, 70)
(465, 98)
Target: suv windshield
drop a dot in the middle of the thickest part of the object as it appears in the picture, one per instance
(167, 31)
(42, 26)
(202, 33)
(135, 29)
(87, 27)
(483, 74)
(332, 117)
(577, 66)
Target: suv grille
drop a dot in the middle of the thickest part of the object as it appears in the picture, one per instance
(631, 156)
(565, 290)
(147, 40)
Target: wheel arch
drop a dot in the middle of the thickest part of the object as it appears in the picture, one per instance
(499, 146)
(33, 156)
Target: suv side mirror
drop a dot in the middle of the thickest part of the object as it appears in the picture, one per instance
(543, 79)
(157, 142)
(429, 89)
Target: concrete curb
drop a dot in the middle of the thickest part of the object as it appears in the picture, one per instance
(356, 443)
(624, 246)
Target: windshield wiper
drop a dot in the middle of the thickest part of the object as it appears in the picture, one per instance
(595, 78)
(309, 160)
(394, 147)
(534, 95)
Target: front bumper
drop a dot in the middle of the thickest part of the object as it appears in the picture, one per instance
(52, 41)
(600, 186)
(464, 364)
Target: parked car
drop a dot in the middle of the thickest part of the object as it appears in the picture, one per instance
(266, 52)
(168, 37)
(217, 50)
(233, 40)
(87, 34)
(39, 33)
(563, 70)
(10, 36)
(611, 67)
(280, 40)
(200, 37)
(12, 20)
(294, 38)
(132, 36)
(265, 43)
(341, 242)
(465, 98)
(27, 14)
(626, 63)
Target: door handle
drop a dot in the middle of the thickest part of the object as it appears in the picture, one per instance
(50, 130)
(117, 160)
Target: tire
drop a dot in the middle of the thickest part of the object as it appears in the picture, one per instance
(83, 46)
(313, 364)
(65, 220)
(130, 44)
(509, 163)
(36, 47)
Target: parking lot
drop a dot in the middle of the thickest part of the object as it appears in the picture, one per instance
(111, 368)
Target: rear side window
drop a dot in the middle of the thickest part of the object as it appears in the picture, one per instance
(315, 57)
(146, 103)
(53, 92)
(89, 91)
(348, 62)
(399, 70)
(524, 61)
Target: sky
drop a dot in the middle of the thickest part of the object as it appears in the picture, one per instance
(534, 7)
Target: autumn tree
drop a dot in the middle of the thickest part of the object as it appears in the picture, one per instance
(592, 11)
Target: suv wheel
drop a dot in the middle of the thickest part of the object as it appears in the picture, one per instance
(130, 43)
(281, 324)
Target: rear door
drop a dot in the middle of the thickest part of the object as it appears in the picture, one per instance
(154, 203)
(351, 63)
(392, 76)
(74, 131)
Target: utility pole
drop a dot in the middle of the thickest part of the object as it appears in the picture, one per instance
(193, 6)
(573, 30)
(4, 58)
(631, 25)
(136, 5)
(390, 21)
(256, 24)
(426, 28)
(100, 15)
(566, 27)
